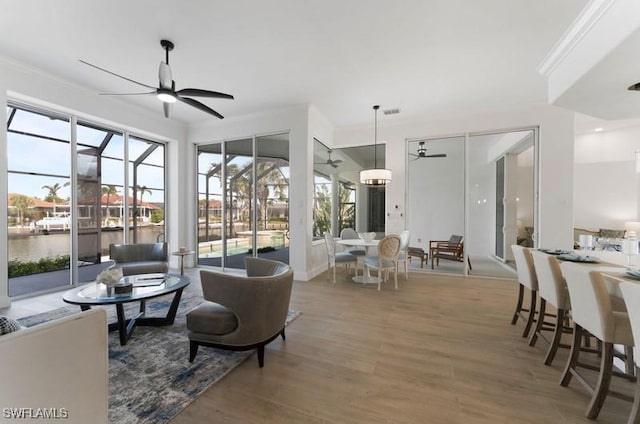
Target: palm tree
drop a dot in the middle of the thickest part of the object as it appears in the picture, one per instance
(142, 190)
(109, 190)
(270, 181)
(22, 203)
(53, 192)
(321, 210)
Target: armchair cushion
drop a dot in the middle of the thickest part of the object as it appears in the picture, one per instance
(212, 318)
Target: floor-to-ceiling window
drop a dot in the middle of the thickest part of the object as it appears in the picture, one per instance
(146, 190)
(39, 178)
(243, 200)
(47, 217)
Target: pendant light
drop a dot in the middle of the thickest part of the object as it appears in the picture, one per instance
(375, 176)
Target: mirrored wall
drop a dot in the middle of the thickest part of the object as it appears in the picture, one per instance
(469, 198)
(340, 200)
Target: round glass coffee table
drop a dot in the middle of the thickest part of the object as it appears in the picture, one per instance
(144, 287)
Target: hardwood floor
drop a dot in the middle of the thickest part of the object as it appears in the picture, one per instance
(438, 350)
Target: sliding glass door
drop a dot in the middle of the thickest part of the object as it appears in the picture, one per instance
(243, 200)
(39, 218)
(67, 197)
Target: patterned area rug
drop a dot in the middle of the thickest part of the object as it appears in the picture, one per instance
(150, 378)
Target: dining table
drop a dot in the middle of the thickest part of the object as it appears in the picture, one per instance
(613, 273)
(367, 244)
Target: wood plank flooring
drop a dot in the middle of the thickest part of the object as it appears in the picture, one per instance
(438, 350)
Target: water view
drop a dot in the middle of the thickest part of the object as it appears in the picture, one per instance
(33, 247)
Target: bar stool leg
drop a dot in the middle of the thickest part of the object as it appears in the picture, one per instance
(516, 314)
(557, 335)
(604, 379)
(572, 361)
(633, 415)
(532, 313)
(539, 323)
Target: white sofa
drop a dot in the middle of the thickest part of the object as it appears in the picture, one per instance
(57, 369)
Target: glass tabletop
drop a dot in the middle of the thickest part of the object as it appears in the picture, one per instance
(145, 286)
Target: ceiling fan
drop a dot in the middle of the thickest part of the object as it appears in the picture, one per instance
(166, 90)
(422, 153)
(333, 163)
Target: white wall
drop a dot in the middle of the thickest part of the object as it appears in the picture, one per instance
(556, 151)
(19, 82)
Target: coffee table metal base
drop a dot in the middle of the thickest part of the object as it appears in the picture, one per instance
(125, 326)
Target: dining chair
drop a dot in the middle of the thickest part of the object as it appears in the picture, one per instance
(631, 294)
(334, 258)
(387, 259)
(351, 234)
(526, 279)
(403, 255)
(591, 311)
(553, 291)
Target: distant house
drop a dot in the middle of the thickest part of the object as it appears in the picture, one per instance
(112, 206)
(37, 208)
(112, 209)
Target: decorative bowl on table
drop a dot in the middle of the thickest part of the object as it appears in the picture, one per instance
(367, 236)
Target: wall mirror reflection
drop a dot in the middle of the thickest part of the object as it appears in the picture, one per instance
(340, 200)
(499, 201)
(435, 204)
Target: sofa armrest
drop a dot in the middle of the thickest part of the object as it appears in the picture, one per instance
(61, 363)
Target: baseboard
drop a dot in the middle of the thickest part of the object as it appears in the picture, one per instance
(306, 276)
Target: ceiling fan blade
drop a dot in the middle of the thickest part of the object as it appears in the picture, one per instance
(203, 93)
(337, 161)
(439, 155)
(164, 76)
(116, 75)
(166, 108)
(411, 154)
(200, 106)
(126, 94)
(333, 164)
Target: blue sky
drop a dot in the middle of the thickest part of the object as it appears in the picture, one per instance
(44, 156)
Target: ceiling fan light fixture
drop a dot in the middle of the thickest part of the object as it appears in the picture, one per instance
(166, 96)
(375, 176)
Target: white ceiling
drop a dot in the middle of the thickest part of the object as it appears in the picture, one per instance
(430, 58)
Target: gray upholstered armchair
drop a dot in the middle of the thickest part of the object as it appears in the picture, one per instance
(140, 258)
(241, 312)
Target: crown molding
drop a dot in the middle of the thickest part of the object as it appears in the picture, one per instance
(589, 16)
